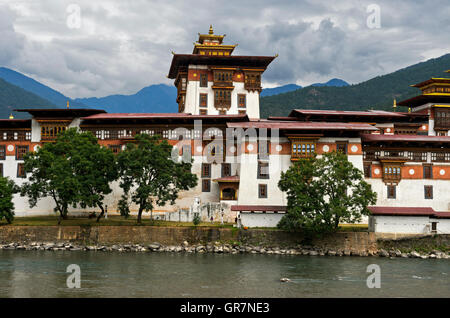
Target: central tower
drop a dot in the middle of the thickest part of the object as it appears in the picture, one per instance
(212, 81)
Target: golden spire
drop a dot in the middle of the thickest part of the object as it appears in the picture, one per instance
(211, 29)
(395, 105)
(11, 116)
(409, 109)
(67, 104)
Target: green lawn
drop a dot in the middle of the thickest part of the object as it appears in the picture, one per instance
(112, 220)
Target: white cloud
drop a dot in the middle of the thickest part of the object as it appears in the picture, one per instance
(123, 46)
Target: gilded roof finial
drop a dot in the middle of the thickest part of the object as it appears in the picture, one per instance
(409, 109)
(395, 104)
(211, 29)
(67, 104)
(11, 116)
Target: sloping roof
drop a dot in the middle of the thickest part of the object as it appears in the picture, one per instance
(228, 179)
(61, 112)
(408, 211)
(302, 125)
(180, 60)
(15, 123)
(417, 138)
(372, 113)
(258, 208)
(423, 99)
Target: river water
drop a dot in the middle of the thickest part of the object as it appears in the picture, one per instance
(114, 274)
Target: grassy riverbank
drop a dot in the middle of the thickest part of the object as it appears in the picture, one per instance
(114, 220)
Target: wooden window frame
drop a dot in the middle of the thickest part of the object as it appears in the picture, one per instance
(427, 171)
(203, 100)
(261, 154)
(344, 145)
(392, 173)
(302, 148)
(21, 170)
(2, 152)
(261, 165)
(206, 185)
(428, 192)
(203, 112)
(244, 103)
(206, 170)
(393, 194)
(21, 154)
(262, 191)
(367, 170)
(203, 80)
(226, 169)
(115, 148)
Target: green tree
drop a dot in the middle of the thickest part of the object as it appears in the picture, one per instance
(324, 192)
(51, 175)
(7, 190)
(94, 168)
(150, 176)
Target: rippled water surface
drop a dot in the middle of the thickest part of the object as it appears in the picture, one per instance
(43, 274)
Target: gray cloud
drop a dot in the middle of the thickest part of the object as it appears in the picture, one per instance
(123, 46)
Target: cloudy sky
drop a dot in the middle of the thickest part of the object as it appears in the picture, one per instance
(118, 47)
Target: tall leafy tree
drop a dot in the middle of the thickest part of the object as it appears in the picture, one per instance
(7, 190)
(50, 175)
(324, 192)
(149, 176)
(94, 168)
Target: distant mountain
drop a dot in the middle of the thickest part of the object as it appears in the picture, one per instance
(332, 82)
(12, 97)
(279, 90)
(33, 86)
(377, 93)
(158, 98)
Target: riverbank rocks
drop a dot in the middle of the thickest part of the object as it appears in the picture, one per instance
(219, 248)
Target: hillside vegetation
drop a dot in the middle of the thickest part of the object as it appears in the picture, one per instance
(376, 93)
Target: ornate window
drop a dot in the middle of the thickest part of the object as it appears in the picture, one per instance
(51, 130)
(206, 170)
(242, 101)
(442, 118)
(203, 80)
(203, 112)
(392, 173)
(2, 152)
(417, 156)
(252, 81)
(20, 152)
(302, 148)
(222, 98)
(203, 100)
(440, 156)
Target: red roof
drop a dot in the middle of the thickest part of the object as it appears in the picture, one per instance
(408, 211)
(405, 211)
(183, 60)
(346, 113)
(157, 115)
(258, 208)
(302, 125)
(420, 138)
